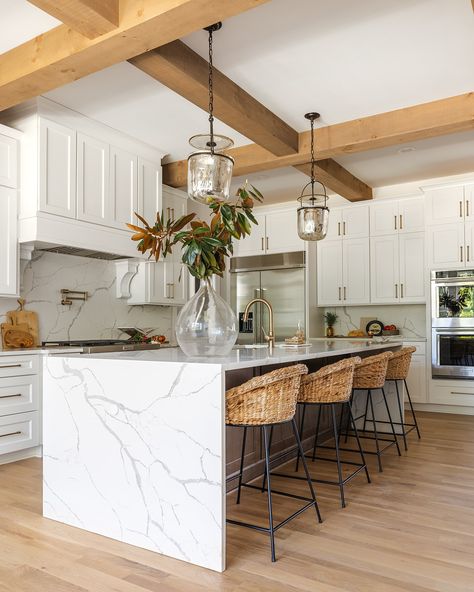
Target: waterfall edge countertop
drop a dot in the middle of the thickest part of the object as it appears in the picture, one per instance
(242, 357)
(134, 443)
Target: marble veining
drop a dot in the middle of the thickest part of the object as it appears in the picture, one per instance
(136, 454)
(98, 317)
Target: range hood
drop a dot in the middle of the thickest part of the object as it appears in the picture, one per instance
(77, 252)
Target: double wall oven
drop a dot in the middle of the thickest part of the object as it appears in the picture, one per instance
(452, 322)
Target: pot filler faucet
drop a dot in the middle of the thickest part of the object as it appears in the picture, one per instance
(271, 331)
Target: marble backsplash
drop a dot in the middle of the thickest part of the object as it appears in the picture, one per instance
(96, 318)
(410, 319)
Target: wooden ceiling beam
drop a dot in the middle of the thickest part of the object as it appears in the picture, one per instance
(89, 17)
(181, 69)
(63, 55)
(428, 120)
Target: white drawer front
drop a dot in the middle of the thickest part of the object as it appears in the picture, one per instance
(420, 347)
(452, 393)
(18, 365)
(19, 431)
(19, 394)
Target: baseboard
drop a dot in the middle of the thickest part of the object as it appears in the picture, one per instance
(435, 408)
(36, 451)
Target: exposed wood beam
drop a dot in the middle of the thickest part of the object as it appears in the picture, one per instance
(89, 17)
(63, 55)
(180, 68)
(428, 120)
(339, 179)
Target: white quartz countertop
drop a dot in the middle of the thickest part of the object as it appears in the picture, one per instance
(40, 351)
(247, 358)
(403, 338)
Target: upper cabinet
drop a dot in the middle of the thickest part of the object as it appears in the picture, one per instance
(9, 263)
(397, 216)
(450, 204)
(350, 222)
(82, 181)
(276, 232)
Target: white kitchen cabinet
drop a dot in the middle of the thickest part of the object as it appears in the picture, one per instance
(398, 268)
(93, 170)
(161, 283)
(57, 169)
(9, 264)
(348, 223)
(446, 248)
(123, 188)
(447, 205)
(416, 379)
(254, 244)
(8, 160)
(343, 272)
(175, 205)
(329, 283)
(397, 216)
(149, 190)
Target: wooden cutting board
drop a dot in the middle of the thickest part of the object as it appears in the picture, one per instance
(25, 317)
(16, 336)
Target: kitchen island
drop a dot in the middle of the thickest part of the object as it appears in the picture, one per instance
(134, 442)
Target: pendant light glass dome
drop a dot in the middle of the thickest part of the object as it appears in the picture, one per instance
(209, 169)
(313, 213)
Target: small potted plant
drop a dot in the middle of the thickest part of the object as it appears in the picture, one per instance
(206, 325)
(330, 318)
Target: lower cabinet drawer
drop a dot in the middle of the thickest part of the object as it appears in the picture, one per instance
(19, 431)
(18, 365)
(447, 392)
(19, 394)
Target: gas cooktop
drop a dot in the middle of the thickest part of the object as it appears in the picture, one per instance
(90, 346)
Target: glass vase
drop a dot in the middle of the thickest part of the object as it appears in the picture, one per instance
(206, 325)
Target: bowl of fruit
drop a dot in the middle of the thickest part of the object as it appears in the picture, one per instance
(390, 330)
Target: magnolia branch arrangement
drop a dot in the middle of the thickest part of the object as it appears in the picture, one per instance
(205, 246)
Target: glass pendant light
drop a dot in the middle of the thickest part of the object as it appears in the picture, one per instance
(209, 170)
(313, 213)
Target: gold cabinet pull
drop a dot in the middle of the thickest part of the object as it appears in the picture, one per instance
(401, 221)
(345, 294)
(10, 365)
(460, 209)
(461, 254)
(467, 253)
(467, 208)
(338, 229)
(395, 222)
(339, 292)
(10, 434)
(396, 290)
(401, 290)
(267, 243)
(344, 228)
(10, 396)
(263, 247)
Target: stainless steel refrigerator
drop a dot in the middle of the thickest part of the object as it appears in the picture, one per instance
(280, 279)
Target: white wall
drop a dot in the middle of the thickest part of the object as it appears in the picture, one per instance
(96, 318)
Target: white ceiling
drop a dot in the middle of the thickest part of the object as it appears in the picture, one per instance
(343, 58)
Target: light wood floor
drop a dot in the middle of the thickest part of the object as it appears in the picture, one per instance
(411, 530)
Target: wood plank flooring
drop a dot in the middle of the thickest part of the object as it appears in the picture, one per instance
(411, 530)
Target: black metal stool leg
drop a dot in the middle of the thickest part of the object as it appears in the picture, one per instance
(358, 442)
(341, 421)
(412, 410)
(374, 424)
(402, 418)
(305, 465)
(269, 445)
(338, 458)
(303, 413)
(269, 490)
(244, 437)
(348, 423)
(391, 421)
(369, 394)
(317, 432)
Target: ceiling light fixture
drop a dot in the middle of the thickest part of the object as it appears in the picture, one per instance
(209, 170)
(313, 213)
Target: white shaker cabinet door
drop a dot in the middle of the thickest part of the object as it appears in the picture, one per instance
(8, 242)
(8, 161)
(123, 188)
(384, 219)
(416, 379)
(411, 217)
(282, 232)
(469, 244)
(412, 267)
(355, 222)
(469, 202)
(446, 246)
(93, 196)
(445, 206)
(149, 190)
(355, 271)
(255, 243)
(174, 206)
(57, 169)
(384, 269)
(334, 224)
(330, 282)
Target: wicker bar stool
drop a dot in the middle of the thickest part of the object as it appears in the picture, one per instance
(398, 368)
(369, 375)
(331, 387)
(266, 401)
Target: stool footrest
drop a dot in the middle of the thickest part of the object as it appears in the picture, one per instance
(286, 494)
(277, 526)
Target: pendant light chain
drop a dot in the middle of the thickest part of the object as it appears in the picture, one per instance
(211, 96)
(312, 158)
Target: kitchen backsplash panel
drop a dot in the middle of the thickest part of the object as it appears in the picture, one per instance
(96, 318)
(410, 319)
